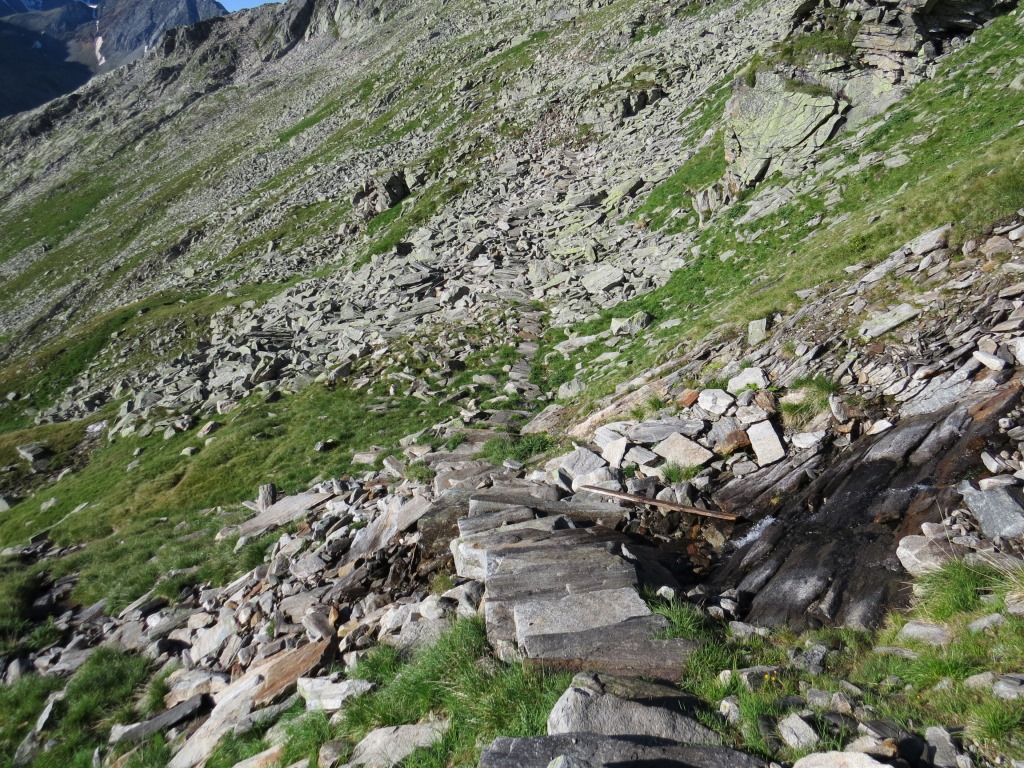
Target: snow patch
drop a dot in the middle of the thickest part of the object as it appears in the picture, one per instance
(99, 56)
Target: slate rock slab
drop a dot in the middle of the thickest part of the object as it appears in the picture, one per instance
(581, 710)
(923, 632)
(838, 760)
(594, 749)
(385, 747)
(323, 695)
(577, 613)
(1000, 511)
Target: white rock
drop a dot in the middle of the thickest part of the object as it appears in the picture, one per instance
(614, 452)
(749, 378)
(715, 401)
(765, 442)
(797, 734)
(683, 451)
(322, 695)
(990, 361)
(838, 760)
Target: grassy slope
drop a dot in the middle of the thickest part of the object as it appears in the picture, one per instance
(917, 693)
(967, 172)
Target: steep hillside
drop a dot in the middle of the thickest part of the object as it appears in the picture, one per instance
(435, 281)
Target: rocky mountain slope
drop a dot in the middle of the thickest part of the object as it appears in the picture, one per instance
(52, 48)
(641, 341)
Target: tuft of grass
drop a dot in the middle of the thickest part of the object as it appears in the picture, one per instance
(687, 621)
(99, 694)
(441, 583)
(458, 679)
(956, 588)
(706, 166)
(20, 705)
(993, 720)
(455, 441)
(420, 472)
(676, 474)
(518, 447)
(305, 735)
(234, 749)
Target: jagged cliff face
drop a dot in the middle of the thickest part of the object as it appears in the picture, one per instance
(128, 28)
(52, 48)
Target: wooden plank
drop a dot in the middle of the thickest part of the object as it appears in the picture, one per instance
(633, 498)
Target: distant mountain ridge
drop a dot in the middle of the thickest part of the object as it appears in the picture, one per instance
(51, 47)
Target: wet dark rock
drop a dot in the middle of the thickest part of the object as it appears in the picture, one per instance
(538, 752)
(829, 557)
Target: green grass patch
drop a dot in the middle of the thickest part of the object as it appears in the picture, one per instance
(458, 679)
(53, 217)
(705, 167)
(516, 447)
(308, 122)
(97, 696)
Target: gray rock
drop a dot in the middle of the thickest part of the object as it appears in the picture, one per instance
(757, 331)
(797, 734)
(580, 462)
(602, 279)
(631, 325)
(888, 321)
(838, 760)
(983, 681)
(924, 632)
(581, 710)
(749, 378)
(323, 695)
(595, 750)
(1000, 511)
(683, 451)
(577, 613)
(766, 444)
(650, 432)
(921, 555)
(943, 751)
(389, 746)
(986, 622)
(1009, 687)
(715, 401)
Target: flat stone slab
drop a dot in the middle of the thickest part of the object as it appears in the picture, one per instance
(683, 451)
(577, 613)
(286, 511)
(322, 695)
(649, 432)
(1000, 511)
(838, 760)
(581, 710)
(765, 442)
(627, 648)
(136, 734)
(887, 321)
(749, 378)
(389, 746)
(923, 632)
(594, 749)
(921, 555)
